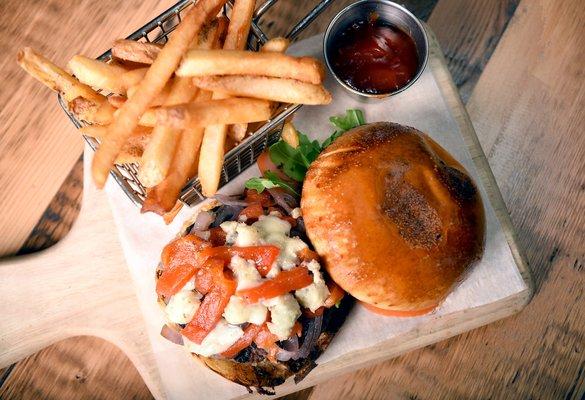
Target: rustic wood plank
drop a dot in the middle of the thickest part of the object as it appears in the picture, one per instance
(60, 215)
(33, 127)
(110, 309)
(86, 376)
(528, 111)
(277, 21)
(42, 235)
(469, 32)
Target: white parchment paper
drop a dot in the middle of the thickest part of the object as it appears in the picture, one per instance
(422, 106)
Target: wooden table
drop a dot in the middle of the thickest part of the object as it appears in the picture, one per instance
(519, 68)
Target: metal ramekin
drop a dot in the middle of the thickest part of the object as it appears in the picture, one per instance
(389, 12)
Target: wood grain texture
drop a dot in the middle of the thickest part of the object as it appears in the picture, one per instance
(86, 378)
(60, 214)
(278, 20)
(33, 128)
(469, 32)
(461, 44)
(103, 305)
(528, 110)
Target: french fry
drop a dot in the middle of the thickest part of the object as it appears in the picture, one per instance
(212, 35)
(168, 217)
(275, 89)
(116, 100)
(88, 111)
(159, 152)
(276, 45)
(138, 52)
(133, 77)
(290, 135)
(98, 74)
(239, 26)
(214, 112)
(160, 98)
(237, 132)
(212, 147)
(157, 76)
(148, 118)
(132, 150)
(235, 62)
(162, 198)
(85, 102)
(54, 77)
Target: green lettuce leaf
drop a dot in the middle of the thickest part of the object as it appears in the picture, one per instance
(295, 162)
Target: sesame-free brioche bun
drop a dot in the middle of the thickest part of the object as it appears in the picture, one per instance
(395, 218)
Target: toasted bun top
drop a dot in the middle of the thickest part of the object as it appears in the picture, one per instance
(395, 218)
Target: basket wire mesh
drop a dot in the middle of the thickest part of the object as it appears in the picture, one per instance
(240, 157)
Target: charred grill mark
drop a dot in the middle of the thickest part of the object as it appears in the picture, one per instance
(460, 185)
(417, 221)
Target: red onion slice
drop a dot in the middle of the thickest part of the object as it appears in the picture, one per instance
(202, 222)
(171, 335)
(289, 349)
(226, 213)
(284, 199)
(230, 200)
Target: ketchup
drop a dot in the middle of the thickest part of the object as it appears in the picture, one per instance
(374, 57)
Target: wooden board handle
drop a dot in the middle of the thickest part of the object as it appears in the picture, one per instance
(36, 284)
(70, 289)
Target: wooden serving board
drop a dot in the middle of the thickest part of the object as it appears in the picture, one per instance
(82, 286)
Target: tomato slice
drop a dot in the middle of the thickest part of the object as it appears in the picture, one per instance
(307, 255)
(336, 293)
(209, 312)
(284, 282)
(263, 256)
(265, 163)
(182, 250)
(204, 280)
(252, 213)
(267, 340)
(180, 260)
(246, 340)
(398, 313)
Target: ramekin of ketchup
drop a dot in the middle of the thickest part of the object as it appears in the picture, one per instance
(375, 48)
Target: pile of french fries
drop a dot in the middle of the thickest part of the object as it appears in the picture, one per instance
(176, 109)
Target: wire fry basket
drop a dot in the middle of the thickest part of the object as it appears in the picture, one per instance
(244, 154)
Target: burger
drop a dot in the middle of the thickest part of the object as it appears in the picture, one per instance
(396, 219)
(244, 291)
(395, 222)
